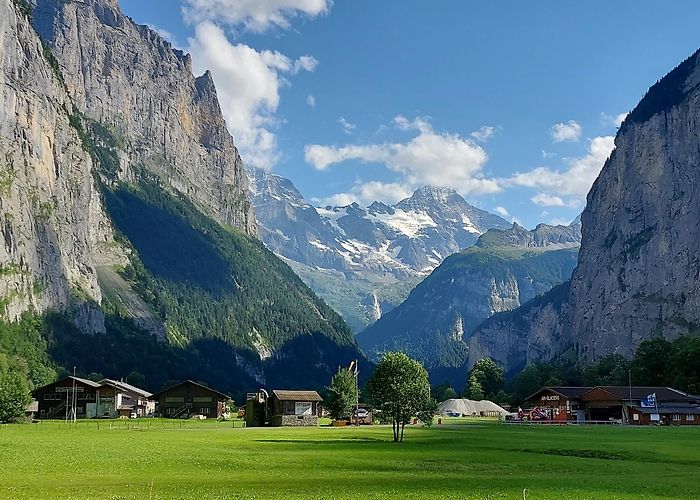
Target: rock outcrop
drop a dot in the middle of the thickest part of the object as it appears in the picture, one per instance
(505, 269)
(638, 274)
(54, 229)
(157, 115)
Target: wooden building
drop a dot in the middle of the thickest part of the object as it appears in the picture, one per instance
(190, 399)
(560, 404)
(294, 408)
(629, 405)
(120, 399)
(59, 399)
(622, 404)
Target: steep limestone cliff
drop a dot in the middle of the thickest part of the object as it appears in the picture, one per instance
(54, 231)
(131, 81)
(638, 274)
(639, 270)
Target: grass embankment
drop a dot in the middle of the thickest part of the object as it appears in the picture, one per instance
(156, 459)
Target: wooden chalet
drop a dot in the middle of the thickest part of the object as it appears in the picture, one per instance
(59, 399)
(190, 399)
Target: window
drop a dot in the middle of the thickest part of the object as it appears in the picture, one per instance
(201, 399)
(52, 397)
(205, 411)
(175, 399)
(86, 397)
(690, 418)
(676, 416)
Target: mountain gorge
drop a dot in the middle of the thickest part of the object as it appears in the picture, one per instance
(125, 215)
(364, 261)
(639, 265)
(506, 268)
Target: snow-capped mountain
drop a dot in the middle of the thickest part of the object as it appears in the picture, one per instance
(364, 260)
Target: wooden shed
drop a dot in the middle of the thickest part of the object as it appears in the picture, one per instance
(294, 408)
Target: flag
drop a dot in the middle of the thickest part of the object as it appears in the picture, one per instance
(649, 401)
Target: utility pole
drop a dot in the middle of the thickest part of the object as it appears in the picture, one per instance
(357, 395)
(73, 405)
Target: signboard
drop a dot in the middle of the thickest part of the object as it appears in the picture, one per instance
(655, 417)
(69, 389)
(550, 398)
(303, 408)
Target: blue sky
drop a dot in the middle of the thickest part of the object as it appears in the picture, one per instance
(514, 104)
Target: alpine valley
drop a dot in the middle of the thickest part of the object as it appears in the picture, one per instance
(129, 243)
(364, 260)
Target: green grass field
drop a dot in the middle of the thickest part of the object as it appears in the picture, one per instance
(195, 460)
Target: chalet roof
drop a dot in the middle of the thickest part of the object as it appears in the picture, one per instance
(297, 395)
(125, 387)
(565, 391)
(622, 392)
(190, 382)
(79, 380)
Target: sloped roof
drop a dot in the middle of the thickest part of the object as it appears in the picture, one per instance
(83, 381)
(622, 392)
(686, 410)
(566, 391)
(297, 395)
(126, 387)
(191, 382)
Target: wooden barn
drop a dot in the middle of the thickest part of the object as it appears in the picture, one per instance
(190, 399)
(59, 399)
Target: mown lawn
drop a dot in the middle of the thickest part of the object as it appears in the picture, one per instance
(480, 460)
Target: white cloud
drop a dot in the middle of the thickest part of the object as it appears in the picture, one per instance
(484, 133)
(546, 155)
(547, 200)
(569, 131)
(347, 126)
(365, 193)
(311, 101)
(430, 158)
(575, 182)
(253, 15)
(305, 63)
(612, 120)
(502, 211)
(248, 83)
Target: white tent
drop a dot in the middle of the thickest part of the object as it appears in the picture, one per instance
(468, 407)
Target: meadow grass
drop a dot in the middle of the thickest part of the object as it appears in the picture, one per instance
(173, 459)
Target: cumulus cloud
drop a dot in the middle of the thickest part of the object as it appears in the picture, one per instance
(547, 200)
(248, 83)
(502, 211)
(252, 15)
(612, 120)
(365, 193)
(311, 101)
(347, 126)
(569, 131)
(574, 182)
(484, 133)
(429, 158)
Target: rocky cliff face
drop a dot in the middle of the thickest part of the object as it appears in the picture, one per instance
(639, 271)
(157, 114)
(639, 263)
(112, 130)
(364, 261)
(502, 271)
(54, 230)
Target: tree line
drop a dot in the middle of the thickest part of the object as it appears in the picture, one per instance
(656, 362)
